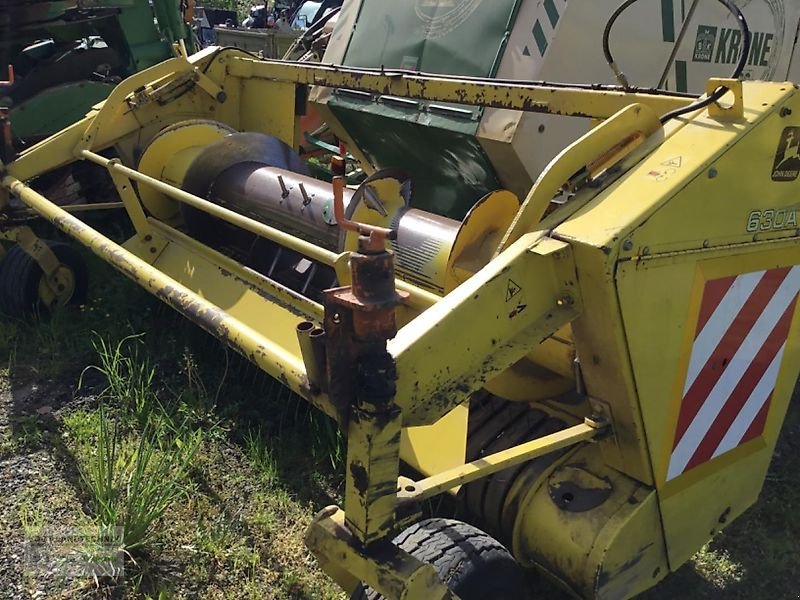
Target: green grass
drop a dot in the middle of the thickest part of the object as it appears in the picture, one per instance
(213, 469)
(133, 481)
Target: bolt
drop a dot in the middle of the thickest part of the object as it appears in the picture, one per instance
(706, 243)
(627, 245)
(712, 173)
(541, 128)
(645, 251)
(565, 300)
(153, 250)
(148, 237)
(785, 112)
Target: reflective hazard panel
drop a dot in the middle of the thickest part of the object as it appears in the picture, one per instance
(736, 356)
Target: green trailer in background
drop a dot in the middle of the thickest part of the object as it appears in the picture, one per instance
(68, 55)
(460, 153)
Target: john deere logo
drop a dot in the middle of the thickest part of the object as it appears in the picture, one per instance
(440, 17)
(704, 45)
(787, 158)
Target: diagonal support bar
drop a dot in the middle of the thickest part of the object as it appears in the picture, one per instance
(494, 463)
(484, 326)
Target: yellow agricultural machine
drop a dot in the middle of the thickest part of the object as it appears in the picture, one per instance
(598, 373)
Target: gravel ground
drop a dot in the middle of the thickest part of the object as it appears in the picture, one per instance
(37, 479)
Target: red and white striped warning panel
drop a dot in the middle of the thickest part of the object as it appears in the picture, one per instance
(736, 356)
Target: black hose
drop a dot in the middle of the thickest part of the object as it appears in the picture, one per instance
(607, 34)
(718, 93)
(747, 37)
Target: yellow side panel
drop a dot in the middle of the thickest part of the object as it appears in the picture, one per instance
(714, 348)
(728, 201)
(230, 293)
(434, 448)
(696, 514)
(688, 153)
(268, 107)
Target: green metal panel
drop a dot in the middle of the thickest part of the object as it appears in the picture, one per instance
(56, 108)
(435, 144)
(456, 37)
(449, 169)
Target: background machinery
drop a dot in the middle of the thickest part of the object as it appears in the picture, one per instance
(597, 369)
(471, 150)
(68, 55)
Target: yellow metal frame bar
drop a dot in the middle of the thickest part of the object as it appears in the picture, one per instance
(273, 359)
(425, 489)
(79, 208)
(597, 102)
(418, 298)
(291, 242)
(392, 572)
(479, 332)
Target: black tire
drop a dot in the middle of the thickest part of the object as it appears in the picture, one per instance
(472, 564)
(20, 277)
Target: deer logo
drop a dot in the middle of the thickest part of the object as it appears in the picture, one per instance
(787, 158)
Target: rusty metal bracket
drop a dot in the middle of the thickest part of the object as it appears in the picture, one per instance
(360, 377)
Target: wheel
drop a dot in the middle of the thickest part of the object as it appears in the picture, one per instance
(21, 280)
(472, 564)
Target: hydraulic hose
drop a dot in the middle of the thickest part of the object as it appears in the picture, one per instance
(718, 93)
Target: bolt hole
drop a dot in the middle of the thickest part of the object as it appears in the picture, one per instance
(410, 488)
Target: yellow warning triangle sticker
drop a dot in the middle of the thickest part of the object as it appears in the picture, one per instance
(675, 162)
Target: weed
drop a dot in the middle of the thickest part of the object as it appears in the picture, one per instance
(327, 439)
(132, 484)
(27, 431)
(81, 426)
(261, 454)
(129, 379)
(31, 517)
(216, 538)
(717, 567)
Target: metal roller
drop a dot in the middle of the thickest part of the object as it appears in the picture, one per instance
(295, 203)
(261, 178)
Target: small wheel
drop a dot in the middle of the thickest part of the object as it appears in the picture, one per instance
(470, 562)
(22, 284)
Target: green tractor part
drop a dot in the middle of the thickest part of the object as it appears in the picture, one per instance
(67, 56)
